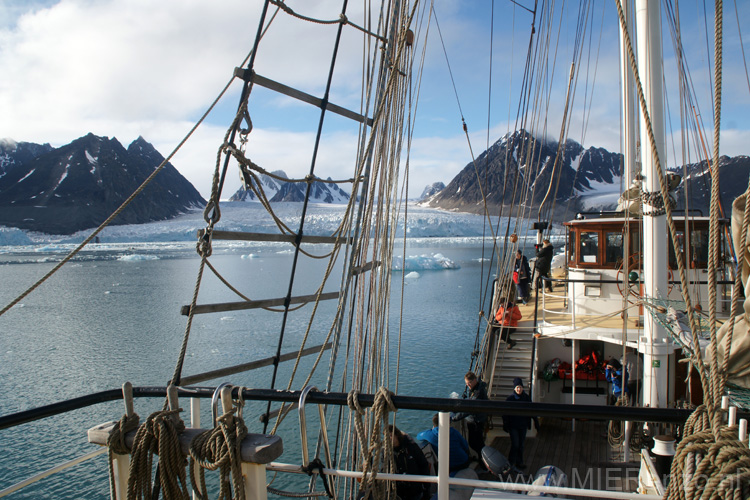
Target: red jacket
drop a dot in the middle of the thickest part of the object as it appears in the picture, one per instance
(509, 317)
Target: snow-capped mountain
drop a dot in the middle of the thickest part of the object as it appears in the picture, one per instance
(507, 175)
(77, 186)
(584, 180)
(278, 190)
(14, 153)
(432, 190)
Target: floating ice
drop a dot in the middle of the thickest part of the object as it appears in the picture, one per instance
(412, 275)
(137, 257)
(249, 256)
(433, 262)
(227, 318)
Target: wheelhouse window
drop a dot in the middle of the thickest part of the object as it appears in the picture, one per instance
(589, 247)
(698, 246)
(613, 247)
(571, 246)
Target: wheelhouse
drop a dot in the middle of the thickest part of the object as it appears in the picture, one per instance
(599, 243)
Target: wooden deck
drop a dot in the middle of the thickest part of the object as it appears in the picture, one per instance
(584, 455)
(556, 313)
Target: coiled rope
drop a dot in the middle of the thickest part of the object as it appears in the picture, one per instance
(219, 448)
(116, 444)
(158, 435)
(377, 447)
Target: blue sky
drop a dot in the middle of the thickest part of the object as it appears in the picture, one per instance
(124, 68)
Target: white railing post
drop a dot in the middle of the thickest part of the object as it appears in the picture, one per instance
(444, 426)
(195, 423)
(743, 429)
(732, 420)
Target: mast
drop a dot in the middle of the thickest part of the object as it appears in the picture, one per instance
(656, 343)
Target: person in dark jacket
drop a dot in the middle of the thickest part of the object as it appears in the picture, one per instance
(409, 459)
(458, 456)
(613, 374)
(544, 263)
(475, 422)
(521, 267)
(517, 425)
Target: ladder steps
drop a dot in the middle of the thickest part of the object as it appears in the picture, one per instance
(255, 304)
(288, 238)
(255, 78)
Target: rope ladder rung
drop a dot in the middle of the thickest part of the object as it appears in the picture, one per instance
(256, 304)
(253, 77)
(287, 238)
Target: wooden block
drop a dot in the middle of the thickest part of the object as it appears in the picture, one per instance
(256, 448)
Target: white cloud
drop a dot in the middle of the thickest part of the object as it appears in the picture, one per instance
(126, 68)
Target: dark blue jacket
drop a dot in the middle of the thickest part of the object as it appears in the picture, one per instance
(615, 376)
(459, 448)
(517, 421)
(522, 264)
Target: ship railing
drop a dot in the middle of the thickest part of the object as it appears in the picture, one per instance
(443, 405)
(561, 307)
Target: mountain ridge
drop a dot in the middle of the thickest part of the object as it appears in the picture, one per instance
(78, 185)
(585, 179)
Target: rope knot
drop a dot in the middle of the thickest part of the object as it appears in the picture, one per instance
(352, 400)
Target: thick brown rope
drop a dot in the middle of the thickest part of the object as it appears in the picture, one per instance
(220, 448)
(116, 444)
(159, 435)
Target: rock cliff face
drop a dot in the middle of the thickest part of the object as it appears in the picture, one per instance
(518, 169)
(432, 190)
(77, 186)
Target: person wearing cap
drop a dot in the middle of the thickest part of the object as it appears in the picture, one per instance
(517, 425)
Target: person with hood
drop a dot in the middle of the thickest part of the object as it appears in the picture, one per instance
(409, 459)
(517, 425)
(475, 422)
(544, 264)
(522, 276)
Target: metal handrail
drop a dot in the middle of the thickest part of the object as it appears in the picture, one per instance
(54, 470)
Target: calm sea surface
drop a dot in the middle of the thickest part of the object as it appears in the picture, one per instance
(113, 316)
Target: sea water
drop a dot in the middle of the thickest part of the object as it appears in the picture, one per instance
(113, 315)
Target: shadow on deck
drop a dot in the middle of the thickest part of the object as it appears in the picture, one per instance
(584, 455)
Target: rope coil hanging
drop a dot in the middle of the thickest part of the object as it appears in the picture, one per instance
(219, 448)
(377, 445)
(116, 443)
(158, 435)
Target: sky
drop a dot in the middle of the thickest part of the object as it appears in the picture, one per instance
(129, 68)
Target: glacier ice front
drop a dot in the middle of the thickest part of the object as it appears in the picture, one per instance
(435, 262)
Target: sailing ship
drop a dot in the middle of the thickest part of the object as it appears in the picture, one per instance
(611, 297)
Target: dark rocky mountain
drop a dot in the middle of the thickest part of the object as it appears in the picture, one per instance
(508, 176)
(14, 153)
(733, 181)
(79, 185)
(432, 190)
(277, 190)
(586, 179)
